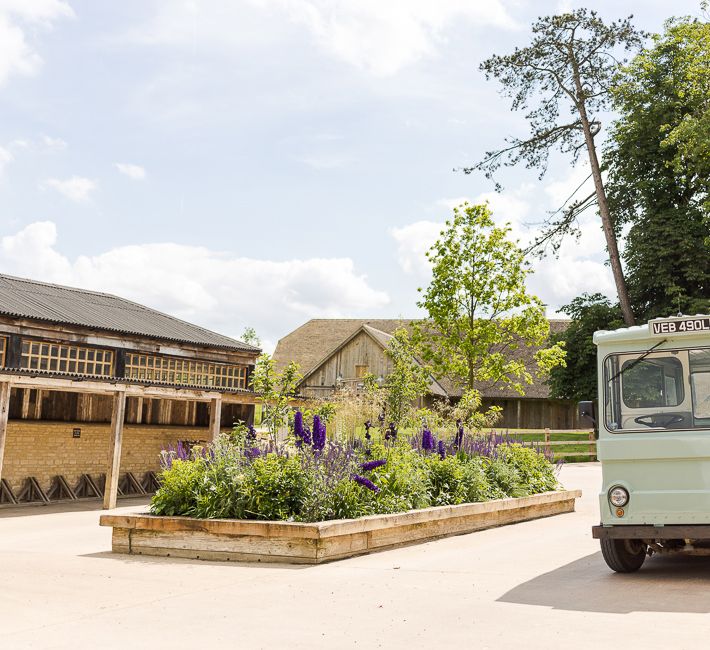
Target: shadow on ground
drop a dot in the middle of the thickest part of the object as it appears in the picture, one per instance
(664, 584)
(80, 505)
(160, 559)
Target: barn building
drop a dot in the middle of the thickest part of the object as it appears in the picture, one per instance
(93, 387)
(335, 353)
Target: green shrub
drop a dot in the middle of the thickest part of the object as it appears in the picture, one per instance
(504, 480)
(177, 494)
(277, 488)
(447, 480)
(535, 472)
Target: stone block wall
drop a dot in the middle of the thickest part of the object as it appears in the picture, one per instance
(45, 449)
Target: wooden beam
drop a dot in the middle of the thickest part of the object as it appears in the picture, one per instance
(215, 418)
(4, 413)
(114, 461)
(132, 390)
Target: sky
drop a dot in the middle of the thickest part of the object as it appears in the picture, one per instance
(263, 162)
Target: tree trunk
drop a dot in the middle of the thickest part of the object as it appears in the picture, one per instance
(609, 233)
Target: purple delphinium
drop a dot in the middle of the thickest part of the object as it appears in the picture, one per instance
(427, 440)
(391, 433)
(298, 430)
(372, 464)
(458, 440)
(252, 453)
(365, 482)
(441, 448)
(319, 434)
(251, 433)
(368, 435)
(381, 418)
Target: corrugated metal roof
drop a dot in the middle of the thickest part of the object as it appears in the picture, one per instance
(22, 298)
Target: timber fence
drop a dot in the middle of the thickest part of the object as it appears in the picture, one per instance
(572, 445)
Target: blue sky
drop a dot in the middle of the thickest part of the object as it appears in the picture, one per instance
(262, 162)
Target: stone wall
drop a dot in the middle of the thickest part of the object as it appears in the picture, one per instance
(46, 449)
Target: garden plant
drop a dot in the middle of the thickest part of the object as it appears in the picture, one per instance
(308, 477)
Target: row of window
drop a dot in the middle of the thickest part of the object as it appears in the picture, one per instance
(185, 371)
(56, 357)
(59, 357)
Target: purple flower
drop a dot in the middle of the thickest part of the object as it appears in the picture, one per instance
(373, 464)
(427, 440)
(298, 430)
(391, 433)
(441, 449)
(251, 434)
(381, 418)
(365, 482)
(298, 424)
(252, 453)
(319, 434)
(459, 433)
(368, 424)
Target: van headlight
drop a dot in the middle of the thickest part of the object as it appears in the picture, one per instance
(618, 496)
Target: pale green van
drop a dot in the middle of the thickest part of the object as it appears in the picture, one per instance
(654, 440)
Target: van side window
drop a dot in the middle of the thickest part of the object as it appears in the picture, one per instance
(652, 383)
(700, 385)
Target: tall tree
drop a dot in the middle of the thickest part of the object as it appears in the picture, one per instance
(577, 379)
(566, 69)
(658, 157)
(480, 312)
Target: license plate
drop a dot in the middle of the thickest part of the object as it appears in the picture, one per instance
(680, 325)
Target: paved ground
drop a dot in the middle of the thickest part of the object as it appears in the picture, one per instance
(540, 584)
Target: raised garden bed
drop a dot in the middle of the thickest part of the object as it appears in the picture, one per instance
(313, 543)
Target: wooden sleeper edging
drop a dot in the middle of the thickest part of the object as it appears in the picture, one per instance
(313, 543)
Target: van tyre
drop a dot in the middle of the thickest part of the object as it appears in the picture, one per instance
(623, 555)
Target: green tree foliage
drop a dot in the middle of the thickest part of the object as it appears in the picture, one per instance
(275, 391)
(250, 337)
(561, 79)
(577, 380)
(407, 380)
(658, 159)
(480, 312)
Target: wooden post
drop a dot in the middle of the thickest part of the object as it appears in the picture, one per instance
(4, 413)
(547, 441)
(114, 461)
(215, 417)
(518, 419)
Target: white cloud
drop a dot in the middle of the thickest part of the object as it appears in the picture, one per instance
(76, 188)
(17, 18)
(378, 37)
(53, 144)
(136, 172)
(222, 291)
(413, 241)
(384, 37)
(5, 159)
(579, 267)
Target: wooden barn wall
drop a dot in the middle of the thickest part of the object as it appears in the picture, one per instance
(360, 351)
(63, 406)
(536, 413)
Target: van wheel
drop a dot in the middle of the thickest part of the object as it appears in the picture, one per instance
(623, 555)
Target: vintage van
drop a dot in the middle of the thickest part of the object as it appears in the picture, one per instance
(654, 440)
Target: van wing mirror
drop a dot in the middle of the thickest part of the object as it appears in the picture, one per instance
(587, 413)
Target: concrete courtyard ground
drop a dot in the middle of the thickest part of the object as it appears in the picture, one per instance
(539, 584)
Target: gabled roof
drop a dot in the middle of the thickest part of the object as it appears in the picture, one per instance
(382, 339)
(317, 340)
(309, 343)
(21, 298)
